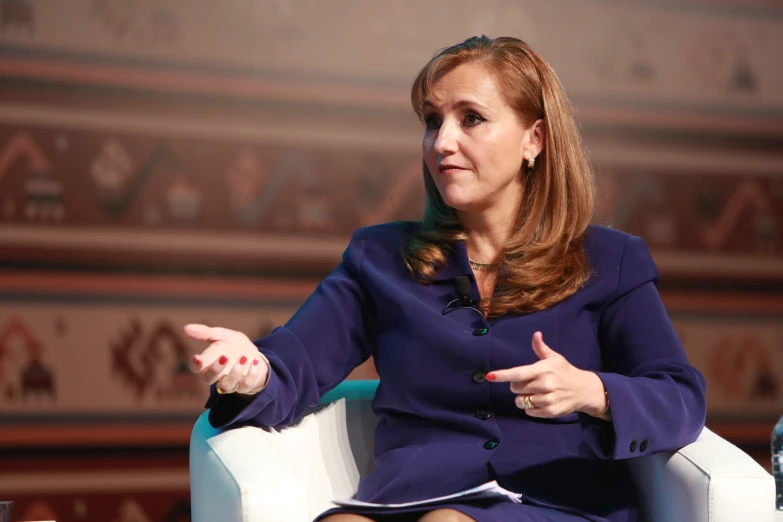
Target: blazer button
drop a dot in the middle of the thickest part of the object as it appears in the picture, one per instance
(491, 444)
(633, 446)
(479, 377)
(480, 331)
(643, 445)
(481, 414)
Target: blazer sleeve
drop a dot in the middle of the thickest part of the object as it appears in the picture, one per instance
(657, 398)
(328, 336)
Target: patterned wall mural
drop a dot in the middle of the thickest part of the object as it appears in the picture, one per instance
(71, 196)
(138, 188)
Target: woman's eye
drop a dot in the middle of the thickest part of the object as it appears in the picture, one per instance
(472, 119)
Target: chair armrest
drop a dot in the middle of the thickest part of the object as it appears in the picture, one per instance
(710, 480)
(289, 475)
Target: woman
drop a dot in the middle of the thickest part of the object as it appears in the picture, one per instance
(559, 364)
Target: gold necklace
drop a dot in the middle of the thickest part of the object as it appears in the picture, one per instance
(485, 266)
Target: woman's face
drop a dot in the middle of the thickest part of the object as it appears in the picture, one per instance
(474, 143)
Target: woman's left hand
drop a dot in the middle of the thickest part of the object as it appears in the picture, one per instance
(552, 387)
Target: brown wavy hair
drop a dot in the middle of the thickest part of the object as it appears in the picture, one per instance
(544, 259)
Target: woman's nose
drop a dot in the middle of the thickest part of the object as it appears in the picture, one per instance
(446, 140)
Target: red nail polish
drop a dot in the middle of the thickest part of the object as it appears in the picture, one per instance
(242, 360)
(196, 360)
(223, 359)
(255, 362)
(491, 377)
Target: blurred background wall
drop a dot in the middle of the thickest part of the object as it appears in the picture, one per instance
(174, 161)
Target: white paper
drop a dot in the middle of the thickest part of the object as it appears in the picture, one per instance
(484, 491)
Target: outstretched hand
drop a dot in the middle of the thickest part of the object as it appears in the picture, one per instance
(231, 360)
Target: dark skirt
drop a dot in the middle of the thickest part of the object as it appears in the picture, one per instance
(481, 511)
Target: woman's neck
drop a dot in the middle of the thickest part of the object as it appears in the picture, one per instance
(487, 232)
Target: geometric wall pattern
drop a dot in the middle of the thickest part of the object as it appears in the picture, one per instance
(69, 196)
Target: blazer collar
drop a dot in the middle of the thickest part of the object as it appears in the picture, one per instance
(456, 263)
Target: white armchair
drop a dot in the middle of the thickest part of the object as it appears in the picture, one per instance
(291, 475)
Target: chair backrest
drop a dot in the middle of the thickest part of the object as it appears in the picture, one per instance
(351, 391)
(360, 419)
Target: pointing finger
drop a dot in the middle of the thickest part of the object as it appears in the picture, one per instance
(520, 373)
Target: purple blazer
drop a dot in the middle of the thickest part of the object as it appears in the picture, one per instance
(443, 426)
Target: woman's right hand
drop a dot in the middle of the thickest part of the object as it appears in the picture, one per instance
(231, 360)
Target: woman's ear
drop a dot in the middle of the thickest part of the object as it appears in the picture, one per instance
(535, 134)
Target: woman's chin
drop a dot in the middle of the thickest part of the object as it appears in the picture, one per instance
(462, 204)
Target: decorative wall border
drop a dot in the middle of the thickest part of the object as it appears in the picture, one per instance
(107, 190)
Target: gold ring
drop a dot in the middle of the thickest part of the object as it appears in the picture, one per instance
(527, 402)
(223, 392)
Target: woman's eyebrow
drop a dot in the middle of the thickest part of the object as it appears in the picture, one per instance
(459, 104)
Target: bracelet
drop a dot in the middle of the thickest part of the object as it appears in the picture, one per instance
(608, 404)
(268, 375)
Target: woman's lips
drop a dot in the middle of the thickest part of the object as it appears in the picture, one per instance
(447, 170)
